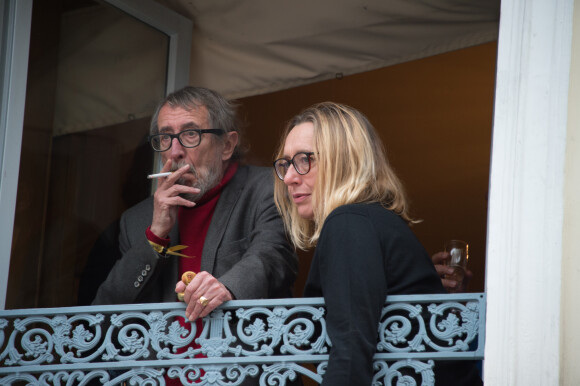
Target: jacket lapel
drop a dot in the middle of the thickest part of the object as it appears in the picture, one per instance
(174, 261)
(220, 218)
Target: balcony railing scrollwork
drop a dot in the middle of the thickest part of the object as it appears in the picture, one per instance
(271, 341)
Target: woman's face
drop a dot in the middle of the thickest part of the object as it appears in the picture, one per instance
(300, 187)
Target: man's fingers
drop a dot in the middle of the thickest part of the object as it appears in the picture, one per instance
(166, 166)
(440, 257)
(180, 286)
(201, 311)
(169, 181)
(449, 284)
(204, 286)
(192, 313)
(177, 189)
(195, 308)
(176, 174)
(178, 201)
(193, 294)
(172, 189)
(468, 274)
(209, 308)
(443, 270)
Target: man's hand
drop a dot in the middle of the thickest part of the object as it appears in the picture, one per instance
(167, 200)
(450, 285)
(202, 285)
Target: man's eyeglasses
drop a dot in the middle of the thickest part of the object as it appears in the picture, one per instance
(187, 138)
(302, 162)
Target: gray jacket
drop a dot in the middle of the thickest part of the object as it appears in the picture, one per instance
(245, 248)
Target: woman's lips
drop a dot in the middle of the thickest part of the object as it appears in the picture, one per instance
(299, 197)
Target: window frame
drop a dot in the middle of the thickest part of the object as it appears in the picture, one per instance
(16, 16)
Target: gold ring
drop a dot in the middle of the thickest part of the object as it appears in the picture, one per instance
(203, 301)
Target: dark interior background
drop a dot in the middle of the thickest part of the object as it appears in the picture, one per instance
(434, 116)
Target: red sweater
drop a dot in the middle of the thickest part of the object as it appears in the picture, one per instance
(193, 226)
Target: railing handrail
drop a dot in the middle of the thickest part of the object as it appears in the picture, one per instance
(243, 333)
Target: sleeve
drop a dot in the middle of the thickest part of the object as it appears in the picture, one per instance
(269, 265)
(140, 268)
(354, 285)
(102, 257)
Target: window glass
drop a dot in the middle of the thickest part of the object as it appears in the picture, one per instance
(95, 76)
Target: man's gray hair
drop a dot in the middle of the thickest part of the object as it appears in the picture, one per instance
(222, 113)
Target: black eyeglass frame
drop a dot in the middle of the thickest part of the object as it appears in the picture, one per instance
(308, 154)
(178, 135)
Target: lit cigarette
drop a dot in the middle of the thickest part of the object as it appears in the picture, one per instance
(158, 175)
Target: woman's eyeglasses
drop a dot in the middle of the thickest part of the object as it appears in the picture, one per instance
(302, 162)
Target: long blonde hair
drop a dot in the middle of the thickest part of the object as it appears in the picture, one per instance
(352, 168)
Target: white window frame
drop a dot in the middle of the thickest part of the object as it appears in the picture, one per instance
(526, 194)
(15, 36)
(17, 15)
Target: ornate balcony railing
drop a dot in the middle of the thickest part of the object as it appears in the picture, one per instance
(271, 341)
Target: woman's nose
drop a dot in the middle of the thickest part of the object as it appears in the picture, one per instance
(291, 176)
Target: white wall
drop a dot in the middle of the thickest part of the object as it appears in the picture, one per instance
(570, 334)
(526, 205)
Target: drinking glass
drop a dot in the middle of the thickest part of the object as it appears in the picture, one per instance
(459, 251)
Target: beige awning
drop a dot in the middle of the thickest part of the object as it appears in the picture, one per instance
(112, 68)
(249, 47)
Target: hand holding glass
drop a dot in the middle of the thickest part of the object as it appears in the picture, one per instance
(459, 251)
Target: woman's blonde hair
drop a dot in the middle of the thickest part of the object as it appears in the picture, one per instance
(352, 168)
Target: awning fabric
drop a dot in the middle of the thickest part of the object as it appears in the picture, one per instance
(112, 69)
(250, 47)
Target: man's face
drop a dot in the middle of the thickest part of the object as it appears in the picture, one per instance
(206, 161)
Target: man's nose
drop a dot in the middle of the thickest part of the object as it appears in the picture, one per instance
(176, 152)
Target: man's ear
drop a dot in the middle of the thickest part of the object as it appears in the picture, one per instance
(230, 142)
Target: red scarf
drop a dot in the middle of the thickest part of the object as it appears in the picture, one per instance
(193, 226)
(194, 223)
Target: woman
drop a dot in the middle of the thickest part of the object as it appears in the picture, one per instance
(336, 192)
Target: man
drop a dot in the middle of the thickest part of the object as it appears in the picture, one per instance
(213, 210)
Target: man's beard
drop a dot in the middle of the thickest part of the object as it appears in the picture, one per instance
(205, 180)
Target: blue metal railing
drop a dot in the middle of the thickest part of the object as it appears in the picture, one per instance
(269, 340)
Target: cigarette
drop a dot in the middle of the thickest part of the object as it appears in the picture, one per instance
(158, 175)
